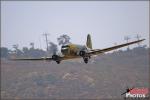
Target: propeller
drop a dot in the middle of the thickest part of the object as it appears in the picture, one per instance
(127, 90)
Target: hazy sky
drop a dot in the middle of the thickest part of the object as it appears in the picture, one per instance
(108, 22)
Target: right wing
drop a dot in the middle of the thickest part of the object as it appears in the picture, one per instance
(99, 51)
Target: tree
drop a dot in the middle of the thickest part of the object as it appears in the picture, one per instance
(63, 39)
(32, 45)
(25, 51)
(4, 52)
(15, 46)
(17, 51)
(52, 48)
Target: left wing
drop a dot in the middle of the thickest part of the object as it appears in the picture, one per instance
(99, 51)
(46, 58)
(42, 58)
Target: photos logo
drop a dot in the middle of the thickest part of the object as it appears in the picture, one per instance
(137, 93)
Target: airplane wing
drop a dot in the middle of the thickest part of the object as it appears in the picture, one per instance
(99, 51)
(43, 58)
(92, 52)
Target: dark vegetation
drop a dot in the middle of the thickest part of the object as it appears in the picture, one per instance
(105, 76)
(25, 52)
(34, 52)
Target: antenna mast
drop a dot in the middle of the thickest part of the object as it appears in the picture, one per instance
(46, 34)
(138, 38)
(127, 38)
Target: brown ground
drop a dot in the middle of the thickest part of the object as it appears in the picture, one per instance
(105, 76)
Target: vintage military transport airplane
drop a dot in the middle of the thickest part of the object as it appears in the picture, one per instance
(72, 51)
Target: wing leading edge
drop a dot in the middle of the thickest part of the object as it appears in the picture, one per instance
(46, 58)
(43, 58)
(99, 51)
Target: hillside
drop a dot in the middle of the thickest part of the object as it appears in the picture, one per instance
(105, 76)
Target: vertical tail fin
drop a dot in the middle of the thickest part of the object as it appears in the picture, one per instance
(89, 41)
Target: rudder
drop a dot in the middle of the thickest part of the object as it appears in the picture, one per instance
(89, 41)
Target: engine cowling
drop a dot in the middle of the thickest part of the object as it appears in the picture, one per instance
(82, 53)
(55, 57)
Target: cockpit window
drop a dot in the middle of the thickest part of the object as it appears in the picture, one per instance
(64, 49)
(65, 46)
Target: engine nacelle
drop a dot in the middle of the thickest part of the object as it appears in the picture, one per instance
(55, 57)
(82, 53)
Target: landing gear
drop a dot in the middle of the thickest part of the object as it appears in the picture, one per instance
(85, 56)
(56, 58)
(58, 62)
(85, 60)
